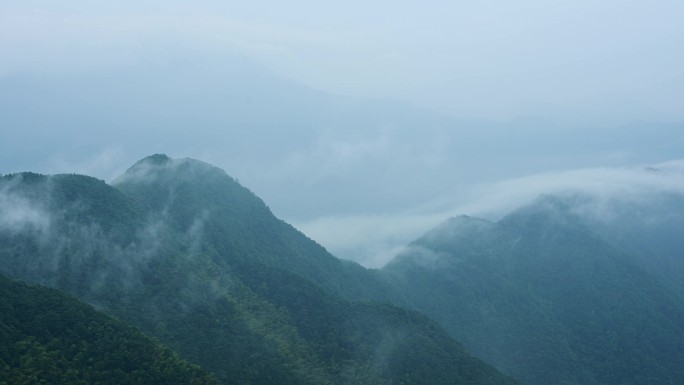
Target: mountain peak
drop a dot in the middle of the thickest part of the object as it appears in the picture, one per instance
(458, 227)
(187, 188)
(156, 159)
(162, 168)
(465, 221)
(149, 161)
(545, 211)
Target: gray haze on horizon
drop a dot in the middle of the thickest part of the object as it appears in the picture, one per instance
(607, 62)
(364, 124)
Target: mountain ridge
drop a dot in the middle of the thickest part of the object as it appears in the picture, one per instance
(202, 264)
(546, 299)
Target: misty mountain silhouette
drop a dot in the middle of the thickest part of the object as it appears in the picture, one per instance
(649, 227)
(551, 293)
(183, 252)
(545, 299)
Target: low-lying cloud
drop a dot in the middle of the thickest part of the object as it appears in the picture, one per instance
(18, 214)
(373, 240)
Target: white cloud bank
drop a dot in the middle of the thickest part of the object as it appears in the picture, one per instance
(373, 240)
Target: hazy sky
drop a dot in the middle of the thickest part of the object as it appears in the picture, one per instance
(352, 116)
(610, 61)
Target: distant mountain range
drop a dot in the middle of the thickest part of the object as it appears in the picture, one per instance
(551, 294)
(546, 299)
(308, 153)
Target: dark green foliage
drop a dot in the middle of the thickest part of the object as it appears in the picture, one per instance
(199, 262)
(545, 299)
(47, 337)
(369, 342)
(236, 225)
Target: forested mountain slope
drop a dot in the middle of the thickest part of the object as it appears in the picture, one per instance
(648, 226)
(231, 223)
(180, 250)
(47, 337)
(545, 299)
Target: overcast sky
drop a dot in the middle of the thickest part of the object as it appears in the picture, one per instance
(388, 114)
(610, 61)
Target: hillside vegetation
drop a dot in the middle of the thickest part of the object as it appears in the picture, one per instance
(544, 298)
(181, 251)
(47, 337)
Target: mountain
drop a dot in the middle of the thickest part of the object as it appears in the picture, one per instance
(49, 337)
(230, 222)
(180, 250)
(648, 226)
(545, 299)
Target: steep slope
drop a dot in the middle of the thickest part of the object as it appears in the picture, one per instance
(233, 225)
(545, 299)
(648, 226)
(198, 261)
(49, 337)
